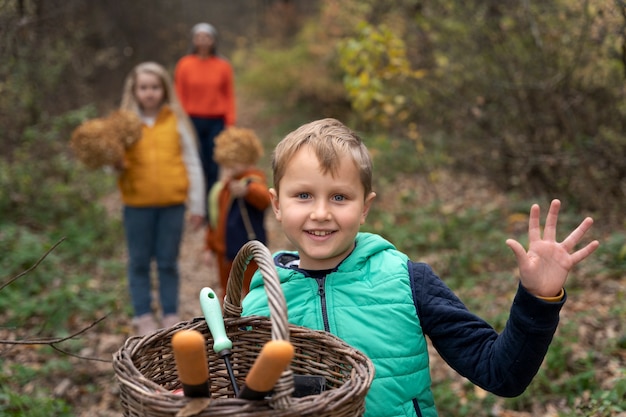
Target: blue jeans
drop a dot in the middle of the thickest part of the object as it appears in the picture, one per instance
(207, 130)
(153, 233)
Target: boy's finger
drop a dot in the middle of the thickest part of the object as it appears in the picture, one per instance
(534, 231)
(581, 254)
(549, 232)
(518, 250)
(577, 234)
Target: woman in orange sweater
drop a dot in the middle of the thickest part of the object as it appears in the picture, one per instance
(205, 87)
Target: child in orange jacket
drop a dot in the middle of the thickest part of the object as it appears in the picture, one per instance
(237, 202)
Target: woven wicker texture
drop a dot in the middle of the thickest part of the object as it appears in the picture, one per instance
(146, 370)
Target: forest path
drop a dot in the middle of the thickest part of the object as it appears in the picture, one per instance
(194, 274)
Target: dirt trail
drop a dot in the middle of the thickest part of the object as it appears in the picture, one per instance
(195, 275)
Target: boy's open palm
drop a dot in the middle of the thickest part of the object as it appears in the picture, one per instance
(544, 268)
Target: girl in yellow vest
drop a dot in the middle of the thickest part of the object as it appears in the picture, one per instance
(161, 176)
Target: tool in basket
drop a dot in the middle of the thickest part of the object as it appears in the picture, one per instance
(191, 363)
(305, 385)
(274, 358)
(222, 345)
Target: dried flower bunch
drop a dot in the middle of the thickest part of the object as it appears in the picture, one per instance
(236, 145)
(101, 142)
(126, 126)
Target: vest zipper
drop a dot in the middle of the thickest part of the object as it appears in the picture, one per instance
(322, 293)
(416, 406)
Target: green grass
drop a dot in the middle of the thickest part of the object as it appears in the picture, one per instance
(48, 199)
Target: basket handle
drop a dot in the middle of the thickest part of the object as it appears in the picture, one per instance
(254, 249)
(281, 399)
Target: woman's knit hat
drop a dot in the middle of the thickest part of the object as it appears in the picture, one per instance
(204, 28)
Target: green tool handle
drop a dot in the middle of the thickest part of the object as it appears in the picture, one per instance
(212, 311)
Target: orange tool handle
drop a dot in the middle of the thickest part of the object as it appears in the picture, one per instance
(274, 358)
(191, 362)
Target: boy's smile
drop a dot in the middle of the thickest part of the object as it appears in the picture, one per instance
(320, 212)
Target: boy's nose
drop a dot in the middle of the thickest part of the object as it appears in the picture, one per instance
(320, 212)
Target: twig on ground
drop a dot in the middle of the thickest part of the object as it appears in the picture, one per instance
(36, 264)
(52, 342)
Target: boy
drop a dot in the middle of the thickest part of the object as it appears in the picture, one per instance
(360, 288)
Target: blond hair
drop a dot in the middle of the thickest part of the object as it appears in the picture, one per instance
(237, 145)
(129, 100)
(329, 139)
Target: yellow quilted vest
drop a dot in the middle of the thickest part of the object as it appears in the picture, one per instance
(155, 173)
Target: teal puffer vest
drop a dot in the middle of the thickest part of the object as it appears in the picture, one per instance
(369, 305)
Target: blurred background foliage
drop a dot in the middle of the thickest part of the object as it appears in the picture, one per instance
(471, 109)
(527, 94)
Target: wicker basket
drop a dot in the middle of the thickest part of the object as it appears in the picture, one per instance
(146, 370)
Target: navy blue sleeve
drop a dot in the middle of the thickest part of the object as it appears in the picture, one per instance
(503, 364)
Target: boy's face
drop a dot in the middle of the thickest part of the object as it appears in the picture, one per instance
(320, 214)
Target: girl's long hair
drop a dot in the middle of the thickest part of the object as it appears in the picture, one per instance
(129, 100)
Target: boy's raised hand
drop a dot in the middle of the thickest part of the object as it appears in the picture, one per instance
(544, 268)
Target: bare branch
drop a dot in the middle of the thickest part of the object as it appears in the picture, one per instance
(15, 278)
(79, 356)
(52, 342)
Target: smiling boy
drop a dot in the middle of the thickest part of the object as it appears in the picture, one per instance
(359, 287)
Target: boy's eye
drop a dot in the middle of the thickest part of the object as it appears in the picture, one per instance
(339, 198)
(303, 196)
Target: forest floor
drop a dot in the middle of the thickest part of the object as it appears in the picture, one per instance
(103, 340)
